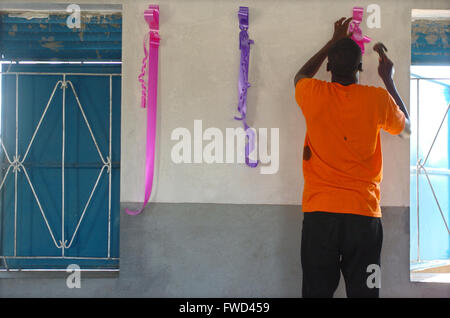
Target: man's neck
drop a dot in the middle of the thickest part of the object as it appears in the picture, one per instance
(344, 80)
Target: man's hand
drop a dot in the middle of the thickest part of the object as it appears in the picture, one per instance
(385, 66)
(386, 72)
(341, 29)
(313, 64)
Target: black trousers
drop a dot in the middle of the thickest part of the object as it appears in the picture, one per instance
(335, 242)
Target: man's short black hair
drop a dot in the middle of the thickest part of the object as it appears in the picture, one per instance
(344, 57)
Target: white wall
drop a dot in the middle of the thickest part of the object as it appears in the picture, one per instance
(199, 60)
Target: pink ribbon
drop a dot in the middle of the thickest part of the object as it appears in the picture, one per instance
(357, 35)
(149, 98)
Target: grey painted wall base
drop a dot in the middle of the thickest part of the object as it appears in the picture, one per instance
(223, 250)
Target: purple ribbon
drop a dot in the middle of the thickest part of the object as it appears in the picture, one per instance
(357, 35)
(243, 85)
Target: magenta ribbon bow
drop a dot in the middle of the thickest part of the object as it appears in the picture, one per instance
(243, 85)
(149, 98)
(357, 35)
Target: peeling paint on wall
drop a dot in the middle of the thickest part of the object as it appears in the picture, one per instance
(29, 15)
(430, 42)
(31, 35)
(50, 43)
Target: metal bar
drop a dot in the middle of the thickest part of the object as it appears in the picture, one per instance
(4, 177)
(15, 211)
(418, 169)
(59, 257)
(7, 159)
(6, 153)
(17, 113)
(432, 171)
(436, 199)
(85, 207)
(9, 66)
(16, 171)
(94, 165)
(430, 78)
(40, 207)
(63, 151)
(40, 271)
(87, 122)
(110, 168)
(435, 136)
(61, 74)
(6, 263)
(40, 120)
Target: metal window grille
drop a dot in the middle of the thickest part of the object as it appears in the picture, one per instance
(16, 164)
(421, 169)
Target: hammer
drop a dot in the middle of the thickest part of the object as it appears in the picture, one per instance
(380, 49)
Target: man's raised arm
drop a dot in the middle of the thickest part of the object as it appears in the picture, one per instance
(386, 72)
(312, 66)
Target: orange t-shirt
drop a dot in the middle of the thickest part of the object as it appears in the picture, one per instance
(342, 160)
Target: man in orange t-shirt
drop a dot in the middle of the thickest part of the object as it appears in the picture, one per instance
(342, 166)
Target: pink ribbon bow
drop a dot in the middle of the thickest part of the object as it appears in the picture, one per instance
(357, 35)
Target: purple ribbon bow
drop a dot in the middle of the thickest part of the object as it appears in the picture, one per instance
(243, 85)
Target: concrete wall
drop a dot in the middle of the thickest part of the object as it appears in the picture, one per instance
(248, 245)
(218, 250)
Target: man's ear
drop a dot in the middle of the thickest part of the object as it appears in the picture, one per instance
(360, 67)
